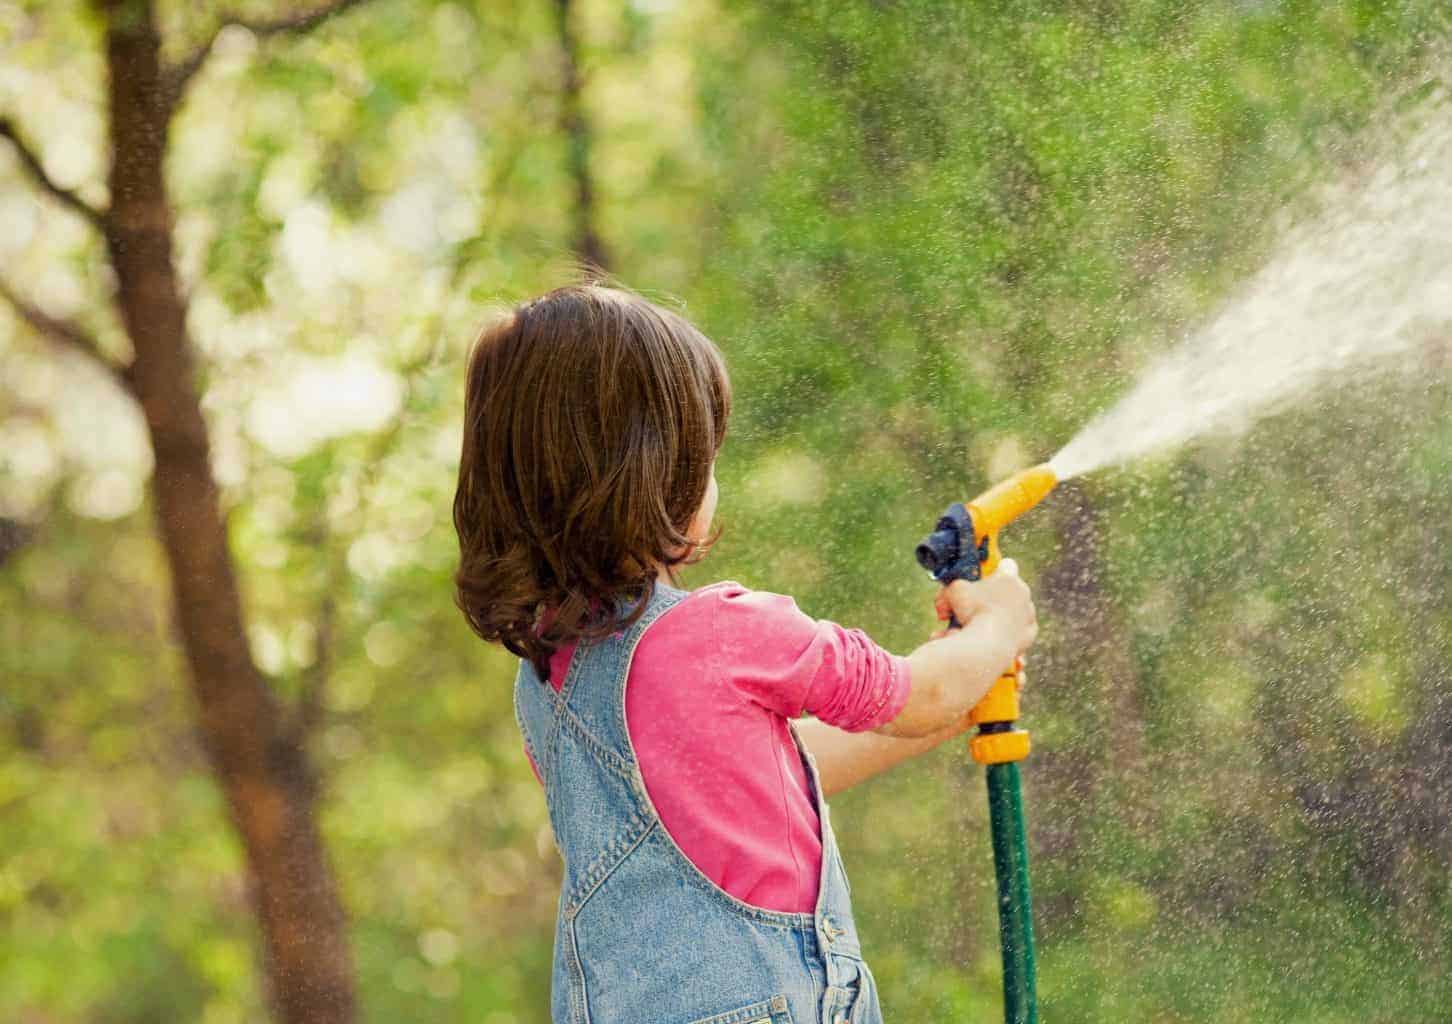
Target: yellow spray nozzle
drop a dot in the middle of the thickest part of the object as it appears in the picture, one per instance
(950, 553)
(991, 511)
(964, 543)
(1001, 504)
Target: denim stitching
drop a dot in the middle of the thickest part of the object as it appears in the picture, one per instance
(606, 861)
(579, 1007)
(529, 747)
(597, 746)
(775, 1009)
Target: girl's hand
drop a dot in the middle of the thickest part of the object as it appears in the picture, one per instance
(965, 723)
(1004, 597)
(952, 672)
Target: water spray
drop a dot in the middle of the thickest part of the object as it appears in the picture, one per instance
(964, 546)
(1354, 291)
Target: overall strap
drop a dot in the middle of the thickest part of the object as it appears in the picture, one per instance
(593, 696)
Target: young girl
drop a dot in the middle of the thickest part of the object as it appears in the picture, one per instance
(702, 883)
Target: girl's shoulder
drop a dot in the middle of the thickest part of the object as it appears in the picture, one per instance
(737, 595)
(739, 610)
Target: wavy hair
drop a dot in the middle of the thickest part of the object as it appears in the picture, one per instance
(592, 418)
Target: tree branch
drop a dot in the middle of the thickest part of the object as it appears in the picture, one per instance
(14, 535)
(575, 127)
(31, 162)
(308, 713)
(176, 77)
(67, 335)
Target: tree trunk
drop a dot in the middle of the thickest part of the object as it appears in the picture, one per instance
(575, 127)
(1089, 669)
(258, 759)
(14, 535)
(1097, 638)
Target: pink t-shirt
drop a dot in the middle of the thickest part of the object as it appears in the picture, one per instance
(710, 689)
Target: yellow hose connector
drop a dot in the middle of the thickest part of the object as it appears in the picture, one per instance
(999, 747)
(1000, 705)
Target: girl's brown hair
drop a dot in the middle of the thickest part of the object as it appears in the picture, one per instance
(591, 421)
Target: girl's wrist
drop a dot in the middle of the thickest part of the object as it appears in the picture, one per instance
(996, 643)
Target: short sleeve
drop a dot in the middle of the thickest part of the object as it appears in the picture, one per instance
(783, 659)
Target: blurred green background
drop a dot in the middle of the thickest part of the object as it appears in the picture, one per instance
(933, 240)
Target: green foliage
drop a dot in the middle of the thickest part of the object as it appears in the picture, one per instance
(933, 240)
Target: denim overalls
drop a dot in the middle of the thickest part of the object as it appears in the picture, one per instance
(643, 937)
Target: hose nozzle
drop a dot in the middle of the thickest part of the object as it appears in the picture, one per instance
(964, 543)
(964, 546)
(1001, 504)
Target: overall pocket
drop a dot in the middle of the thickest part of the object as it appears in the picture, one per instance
(865, 1010)
(854, 1001)
(769, 1011)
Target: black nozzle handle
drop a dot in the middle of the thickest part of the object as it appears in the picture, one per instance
(952, 552)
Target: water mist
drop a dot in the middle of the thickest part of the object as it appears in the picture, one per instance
(1344, 295)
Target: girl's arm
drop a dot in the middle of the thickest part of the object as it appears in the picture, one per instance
(949, 675)
(847, 758)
